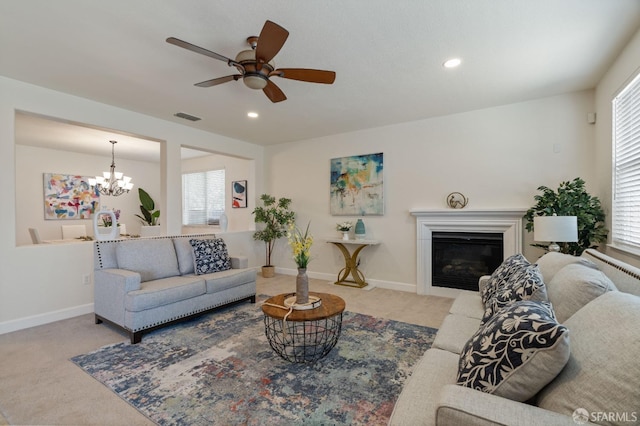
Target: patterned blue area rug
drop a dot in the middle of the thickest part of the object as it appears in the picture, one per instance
(219, 369)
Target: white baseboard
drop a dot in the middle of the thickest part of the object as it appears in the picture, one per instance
(46, 318)
(390, 285)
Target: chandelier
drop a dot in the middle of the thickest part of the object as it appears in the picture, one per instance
(112, 182)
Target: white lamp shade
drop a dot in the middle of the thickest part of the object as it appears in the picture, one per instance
(555, 228)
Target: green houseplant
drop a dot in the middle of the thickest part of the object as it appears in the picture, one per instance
(276, 217)
(149, 215)
(571, 199)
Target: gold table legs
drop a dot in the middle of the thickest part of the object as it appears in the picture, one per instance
(350, 267)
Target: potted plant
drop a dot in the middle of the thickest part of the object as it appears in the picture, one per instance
(150, 215)
(571, 199)
(276, 217)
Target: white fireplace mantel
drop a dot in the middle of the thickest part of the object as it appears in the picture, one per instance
(507, 221)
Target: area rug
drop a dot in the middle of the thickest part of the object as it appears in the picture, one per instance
(219, 369)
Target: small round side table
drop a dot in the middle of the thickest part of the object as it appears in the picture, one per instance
(305, 336)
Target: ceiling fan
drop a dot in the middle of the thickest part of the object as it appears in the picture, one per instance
(256, 66)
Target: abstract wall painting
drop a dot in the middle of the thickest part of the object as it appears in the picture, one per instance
(357, 185)
(239, 194)
(69, 197)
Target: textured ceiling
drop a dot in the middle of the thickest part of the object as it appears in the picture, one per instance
(387, 55)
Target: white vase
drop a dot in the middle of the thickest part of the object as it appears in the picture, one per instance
(113, 232)
(345, 235)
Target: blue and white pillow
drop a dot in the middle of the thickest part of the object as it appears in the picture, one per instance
(507, 268)
(524, 284)
(516, 353)
(210, 256)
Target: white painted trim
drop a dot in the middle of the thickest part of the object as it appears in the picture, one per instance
(390, 285)
(505, 221)
(46, 318)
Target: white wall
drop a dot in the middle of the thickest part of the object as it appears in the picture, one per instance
(497, 157)
(39, 284)
(235, 169)
(626, 66)
(32, 162)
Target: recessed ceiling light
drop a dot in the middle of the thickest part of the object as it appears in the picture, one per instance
(252, 114)
(452, 63)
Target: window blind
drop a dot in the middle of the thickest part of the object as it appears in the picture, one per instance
(626, 167)
(203, 197)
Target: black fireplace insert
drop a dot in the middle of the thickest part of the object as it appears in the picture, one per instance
(460, 258)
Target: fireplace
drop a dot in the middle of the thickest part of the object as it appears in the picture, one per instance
(460, 258)
(505, 222)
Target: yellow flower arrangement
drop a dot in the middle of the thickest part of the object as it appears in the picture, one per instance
(300, 244)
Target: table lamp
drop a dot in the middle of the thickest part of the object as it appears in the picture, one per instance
(555, 229)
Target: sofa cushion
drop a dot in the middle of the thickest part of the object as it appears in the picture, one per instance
(516, 353)
(603, 371)
(508, 267)
(420, 394)
(184, 252)
(152, 259)
(574, 286)
(468, 304)
(230, 278)
(524, 284)
(164, 292)
(210, 256)
(552, 262)
(454, 332)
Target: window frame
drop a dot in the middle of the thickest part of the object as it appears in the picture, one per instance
(209, 220)
(625, 148)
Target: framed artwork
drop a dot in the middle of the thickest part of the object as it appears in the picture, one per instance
(239, 194)
(69, 197)
(357, 185)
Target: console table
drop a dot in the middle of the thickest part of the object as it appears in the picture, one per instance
(303, 336)
(351, 261)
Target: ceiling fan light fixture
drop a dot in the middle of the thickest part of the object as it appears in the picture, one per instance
(255, 81)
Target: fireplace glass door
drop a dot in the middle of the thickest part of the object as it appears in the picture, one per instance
(459, 259)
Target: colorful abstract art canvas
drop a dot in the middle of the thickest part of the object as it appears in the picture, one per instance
(239, 194)
(357, 185)
(69, 197)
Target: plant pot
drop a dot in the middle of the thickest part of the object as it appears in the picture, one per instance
(268, 271)
(150, 231)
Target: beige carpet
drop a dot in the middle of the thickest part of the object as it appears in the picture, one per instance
(40, 386)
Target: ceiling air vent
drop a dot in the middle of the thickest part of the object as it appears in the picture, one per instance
(187, 116)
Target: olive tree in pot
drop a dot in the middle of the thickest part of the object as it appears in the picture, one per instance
(276, 217)
(150, 215)
(571, 199)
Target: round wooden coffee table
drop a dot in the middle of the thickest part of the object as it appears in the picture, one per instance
(304, 336)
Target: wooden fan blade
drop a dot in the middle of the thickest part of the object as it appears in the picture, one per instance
(201, 50)
(219, 80)
(270, 41)
(304, 74)
(273, 92)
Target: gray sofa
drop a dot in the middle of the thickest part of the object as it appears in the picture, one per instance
(596, 298)
(142, 284)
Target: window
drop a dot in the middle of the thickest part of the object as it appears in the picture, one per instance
(202, 197)
(626, 168)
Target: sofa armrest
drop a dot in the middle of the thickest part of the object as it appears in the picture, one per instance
(111, 288)
(463, 406)
(239, 262)
(120, 280)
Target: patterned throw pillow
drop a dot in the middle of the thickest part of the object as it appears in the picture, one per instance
(524, 284)
(516, 353)
(210, 256)
(509, 266)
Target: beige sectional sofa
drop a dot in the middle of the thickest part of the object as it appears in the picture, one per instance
(593, 370)
(142, 284)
